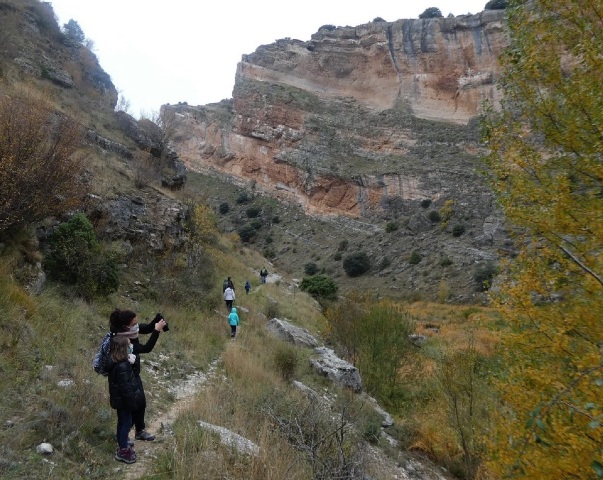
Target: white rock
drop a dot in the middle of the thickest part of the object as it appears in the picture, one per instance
(45, 448)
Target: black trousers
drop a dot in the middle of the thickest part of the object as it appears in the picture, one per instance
(138, 414)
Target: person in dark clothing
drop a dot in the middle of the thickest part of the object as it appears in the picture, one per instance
(230, 283)
(125, 394)
(247, 287)
(125, 323)
(263, 274)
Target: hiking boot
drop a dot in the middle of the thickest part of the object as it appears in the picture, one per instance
(125, 455)
(144, 435)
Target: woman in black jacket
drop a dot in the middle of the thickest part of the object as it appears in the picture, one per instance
(124, 323)
(125, 394)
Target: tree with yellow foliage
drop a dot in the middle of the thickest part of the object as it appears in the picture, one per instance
(546, 159)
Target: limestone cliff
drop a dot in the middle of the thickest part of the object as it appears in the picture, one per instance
(353, 116)
(368, 122)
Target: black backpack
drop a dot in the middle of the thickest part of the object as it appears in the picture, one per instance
(102, 359)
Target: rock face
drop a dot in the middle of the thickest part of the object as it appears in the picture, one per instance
(370, 124)
(443, 67)
(33, 45)
(355, 118)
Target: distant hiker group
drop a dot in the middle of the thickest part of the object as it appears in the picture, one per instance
(229, 295)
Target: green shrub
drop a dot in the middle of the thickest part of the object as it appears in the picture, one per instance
(343, 246)
(446, 262)
(75, 258)
(243, 198)
(253, 211)
(310, 268)
(269, 253)
(425, 203)
(247, 233)
(256, 223)
(276, 219)
(224, 208)
(286, 361)
(434, 216)
(483, 276)
(272, 310)
(385, 262)
(337, 256)
(496, 5)
(391, 227)
(320, 287)
(74, 32)
(431, 12)
(356, 264)
(458, 230)
(415, 258)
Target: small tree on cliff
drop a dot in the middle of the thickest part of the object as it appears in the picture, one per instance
(546, 150)
(74, 32)
(431, 12)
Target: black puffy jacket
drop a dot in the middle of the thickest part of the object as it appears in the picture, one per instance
(144, 328)
(124, 389)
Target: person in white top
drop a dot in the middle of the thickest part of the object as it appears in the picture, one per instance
(229, 297)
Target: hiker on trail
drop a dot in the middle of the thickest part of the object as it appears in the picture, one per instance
(125, 394)
(225, 284)
(229, 297)
(263, 274)
(124, 323)
(230, 283)
(233, 320)
(247, 287)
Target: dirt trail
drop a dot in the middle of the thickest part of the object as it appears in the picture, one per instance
(160, 425)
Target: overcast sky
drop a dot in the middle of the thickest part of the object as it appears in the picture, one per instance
(172, 51)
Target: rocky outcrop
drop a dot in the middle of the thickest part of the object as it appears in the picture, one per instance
(291, 333)
(231, 439)
(356, 120)
(343, 373)
(444, 67)
(146, 218)
(33, 45)
(373, 124)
